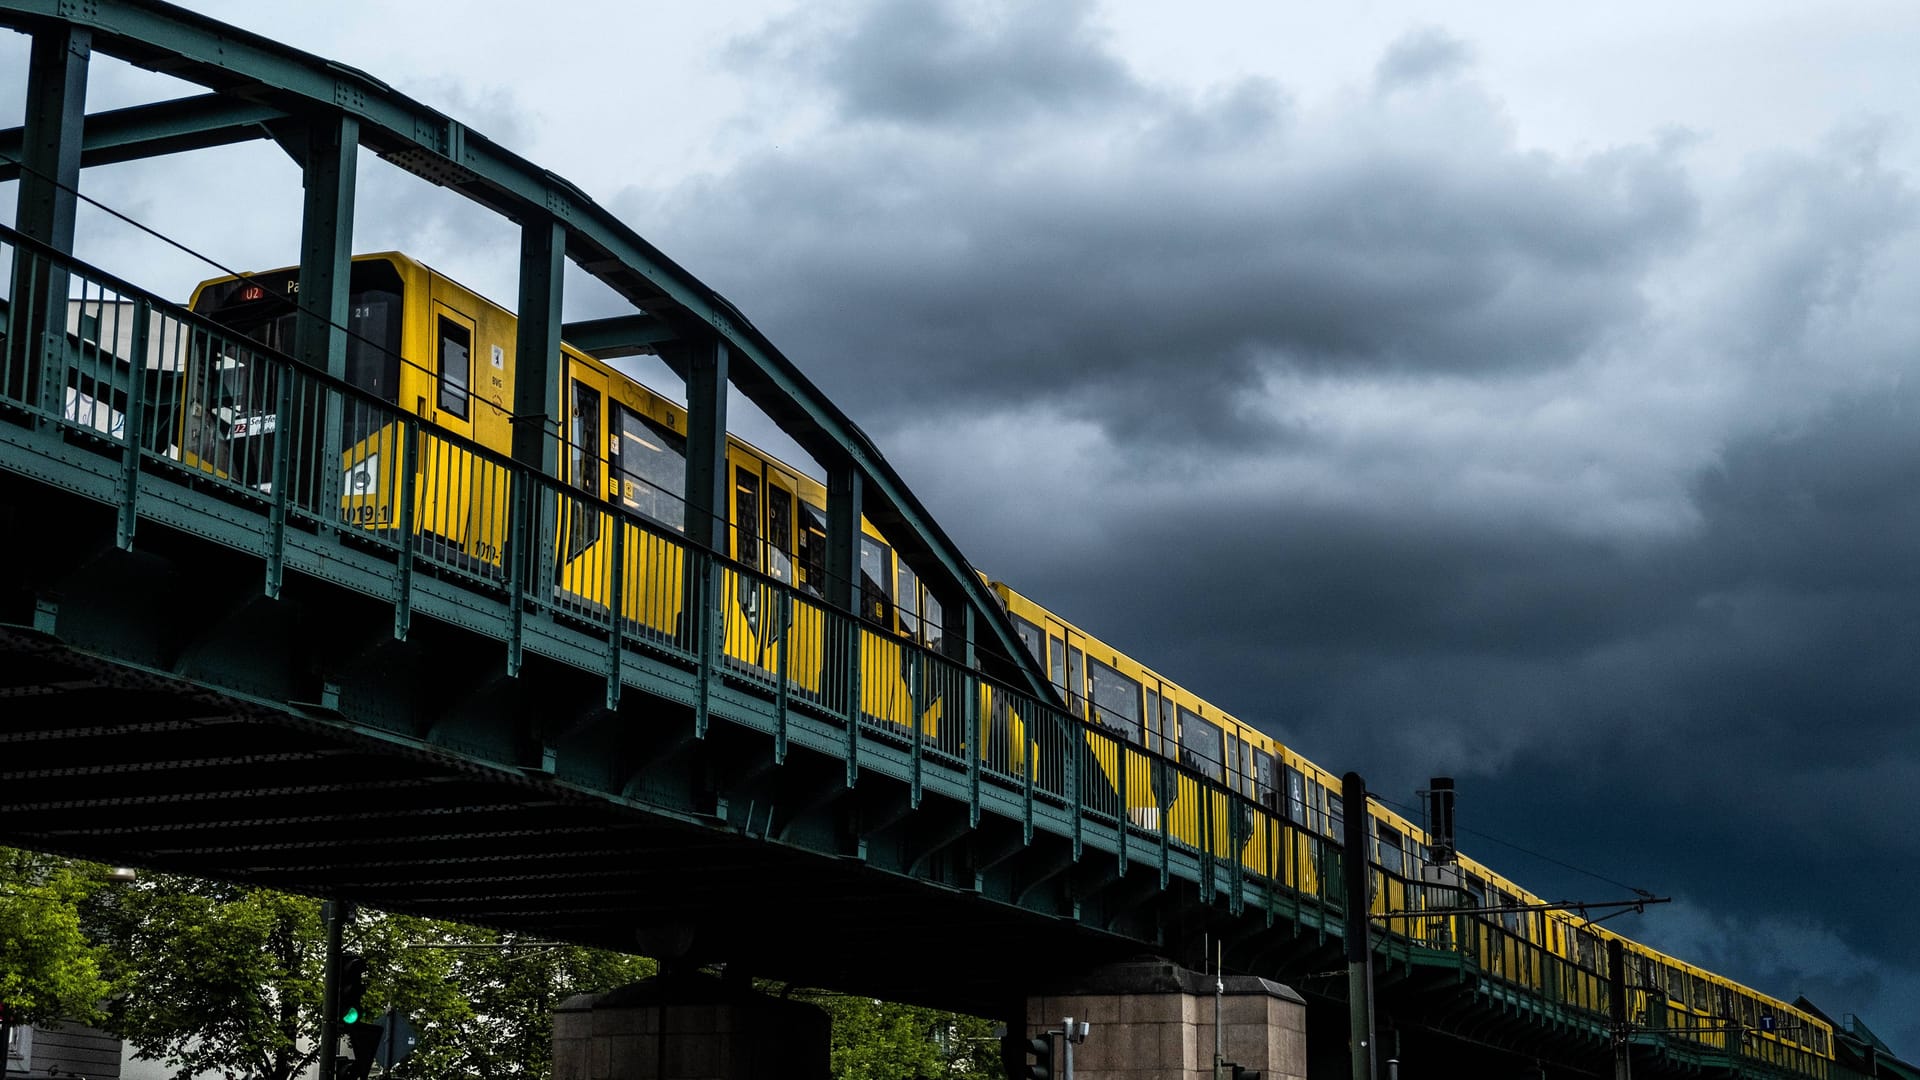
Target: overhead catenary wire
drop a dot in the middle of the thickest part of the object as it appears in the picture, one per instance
(1643, 894)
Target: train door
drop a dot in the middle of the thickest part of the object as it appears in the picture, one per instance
(445, 486)
(787, 529)
(647, 463)
(761, 538)
(584, 542)
(742, 595)
(1262, 851)
(884, 664)
(1067, 665)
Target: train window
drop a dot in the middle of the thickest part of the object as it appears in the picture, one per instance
(1153, 721)
(456, 366)
(746, 518)
(650, 462)
(933, 621)
(1263, 779)
(371, 363)
(1169, 726)
(813, 548)
(779, 533)
(584, 462)
(909, 601)
(1057, 662)
(1296, 795)
(1393, 857)
(1200, 744)
(1076, 681)
(1722, 1001)
(1032, 638)
(876, 581)
(373, 356)
(1115, 699)
(1699, 993)
(1336, 815)
(1246, 767)
(1234, 771)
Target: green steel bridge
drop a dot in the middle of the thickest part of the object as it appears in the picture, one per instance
(227, 679)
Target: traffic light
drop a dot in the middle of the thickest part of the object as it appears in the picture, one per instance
(363, 1034)
(1040, 1058)
(353, 987)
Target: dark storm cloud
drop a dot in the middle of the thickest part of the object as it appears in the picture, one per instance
(948, 64)
(1574, 475)
(1168, 246)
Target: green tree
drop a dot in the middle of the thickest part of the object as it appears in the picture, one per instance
(216, 978)
(227, 979)
(483, 1001)
(878, 1040)
(49, 970)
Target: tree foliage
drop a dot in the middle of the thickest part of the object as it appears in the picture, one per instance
(878, 1040)
(227, 980)
(49, 969)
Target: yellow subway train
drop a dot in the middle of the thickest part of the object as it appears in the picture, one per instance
(423, 346)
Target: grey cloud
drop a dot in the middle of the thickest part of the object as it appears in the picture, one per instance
(947, 63)
(1420, 55)
(1099, 268)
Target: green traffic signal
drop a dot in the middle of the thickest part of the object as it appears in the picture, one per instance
(353, 986)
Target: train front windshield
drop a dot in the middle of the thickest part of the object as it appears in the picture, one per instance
(233, 396)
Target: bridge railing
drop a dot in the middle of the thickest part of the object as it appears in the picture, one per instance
(279, 446)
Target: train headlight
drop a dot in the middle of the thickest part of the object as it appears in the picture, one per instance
(364, 477)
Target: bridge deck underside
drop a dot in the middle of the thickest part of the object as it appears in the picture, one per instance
(130, 767)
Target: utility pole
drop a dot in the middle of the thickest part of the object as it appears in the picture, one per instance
(1353, 797)
(336, 912)
(1617, 1008)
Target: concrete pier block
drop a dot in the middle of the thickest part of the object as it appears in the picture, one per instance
(688, 1027)
(1154, 1020)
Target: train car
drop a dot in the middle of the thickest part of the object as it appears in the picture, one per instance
(421, 344)
(1508, 932)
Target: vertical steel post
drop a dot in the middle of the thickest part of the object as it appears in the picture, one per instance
(1617, 1008)
(45, 210)
(536, 421)
(409, 470)
(133, 425)
(1353, 794)
(320, 331)
(916, 704)
(537, 373)
(50, 146)
(976, 733)
(707, 444)
(845, 497)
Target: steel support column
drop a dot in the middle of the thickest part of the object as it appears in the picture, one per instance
(1359, 931)
(845, 493)
(326, 244)
(47, 202)
(51, 142)
(707, 444)
(536, 358)
(706, 507)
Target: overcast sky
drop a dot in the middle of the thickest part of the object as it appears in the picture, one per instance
(1524, 394)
